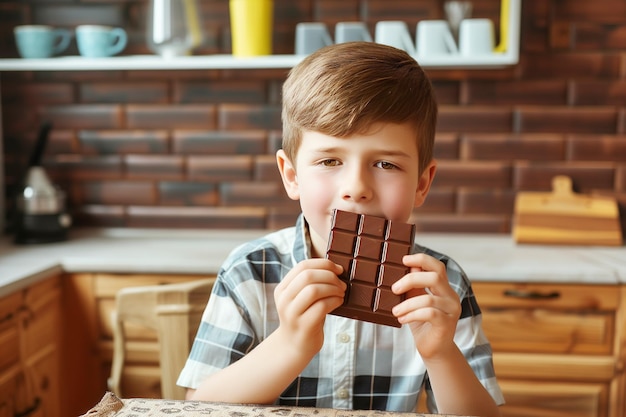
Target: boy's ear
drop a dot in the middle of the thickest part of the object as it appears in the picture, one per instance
(424, 183)
(288, 174)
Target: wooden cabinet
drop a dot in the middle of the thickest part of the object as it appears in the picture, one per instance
(30, 345)
(558, 349)
(91, 301)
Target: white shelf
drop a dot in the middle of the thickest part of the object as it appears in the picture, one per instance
(154, 62)
(148, 62)
(486, 61)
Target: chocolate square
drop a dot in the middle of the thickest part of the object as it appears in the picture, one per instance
(370, 249)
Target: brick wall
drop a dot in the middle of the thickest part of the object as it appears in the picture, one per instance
(195, 148)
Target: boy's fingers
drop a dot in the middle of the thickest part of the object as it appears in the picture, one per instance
(308, 285)
(309, 264)
(427, 273)
(322, 296)
(424, 262)
(427, 307)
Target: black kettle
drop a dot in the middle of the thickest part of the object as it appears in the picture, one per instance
(41, 215)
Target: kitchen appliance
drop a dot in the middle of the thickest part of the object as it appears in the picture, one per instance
(173, 27)
(40, 215)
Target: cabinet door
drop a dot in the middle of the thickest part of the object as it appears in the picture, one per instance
(554, 346)
(30, 350)
(42, 328)
(535, 318)
(9, 337)
(9, 352)
(7, 394)
(45, 367)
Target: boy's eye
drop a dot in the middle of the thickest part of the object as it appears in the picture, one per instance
(385, 165)
(329, 162)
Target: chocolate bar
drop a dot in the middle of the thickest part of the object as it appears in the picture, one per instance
(370, 250)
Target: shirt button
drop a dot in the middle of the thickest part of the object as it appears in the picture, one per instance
(344, 338)
(343, 394)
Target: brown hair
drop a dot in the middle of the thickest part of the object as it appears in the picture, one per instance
(344, 89)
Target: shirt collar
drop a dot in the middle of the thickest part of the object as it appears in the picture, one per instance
(302, 241)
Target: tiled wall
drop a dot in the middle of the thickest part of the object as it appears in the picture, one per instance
(195, 148)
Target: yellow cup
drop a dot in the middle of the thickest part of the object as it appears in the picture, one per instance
(251, 27)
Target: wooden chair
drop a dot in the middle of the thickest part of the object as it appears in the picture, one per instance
(174, 311)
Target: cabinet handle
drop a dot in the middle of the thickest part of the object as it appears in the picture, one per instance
(30, 410)
(532, 295)
(6, 318)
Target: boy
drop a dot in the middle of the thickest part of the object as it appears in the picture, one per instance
(358, 130)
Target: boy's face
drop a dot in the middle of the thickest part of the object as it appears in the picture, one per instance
(374, 173)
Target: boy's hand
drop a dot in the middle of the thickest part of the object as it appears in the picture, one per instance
(432, 314)
(303, 298)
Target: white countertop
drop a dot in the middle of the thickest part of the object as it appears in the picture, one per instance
(483, 257)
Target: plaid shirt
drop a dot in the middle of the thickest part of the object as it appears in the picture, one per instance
(360, 366)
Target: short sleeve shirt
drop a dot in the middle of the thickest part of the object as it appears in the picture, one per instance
(361, 365)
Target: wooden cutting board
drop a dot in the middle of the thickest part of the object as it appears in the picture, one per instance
(563, 217)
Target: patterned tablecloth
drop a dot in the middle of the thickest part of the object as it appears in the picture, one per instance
(112, 406)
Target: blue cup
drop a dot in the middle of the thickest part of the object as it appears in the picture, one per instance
(41, 41)
(96, 41)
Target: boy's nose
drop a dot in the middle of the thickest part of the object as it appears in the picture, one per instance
(356, 186)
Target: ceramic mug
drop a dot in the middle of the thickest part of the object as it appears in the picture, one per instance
(96, 41)
(41, 41)
(476, 37)
(310, 37)
(352, 31)
(434, 37)
(396, 34)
